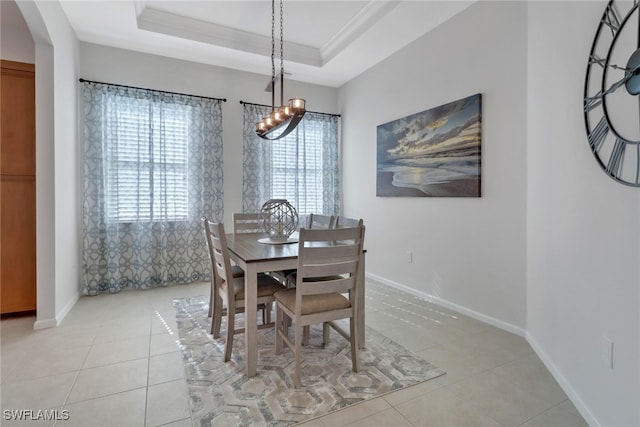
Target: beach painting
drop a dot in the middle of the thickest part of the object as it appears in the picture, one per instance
(434, 153)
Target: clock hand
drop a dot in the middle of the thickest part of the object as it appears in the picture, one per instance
(632, 64)
(619, 83)
(617, 67)
(594, 100)
(603, 63)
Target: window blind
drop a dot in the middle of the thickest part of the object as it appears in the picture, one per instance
(297, 169)
(147, 166)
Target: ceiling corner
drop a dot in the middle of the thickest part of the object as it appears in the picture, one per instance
(355, 27)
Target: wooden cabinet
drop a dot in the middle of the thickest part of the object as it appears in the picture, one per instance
(17, 188)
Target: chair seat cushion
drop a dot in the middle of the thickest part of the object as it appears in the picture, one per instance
(312, 303)
(266, 286)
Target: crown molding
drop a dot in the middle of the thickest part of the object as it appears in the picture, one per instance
(361, 22)
(159, 21)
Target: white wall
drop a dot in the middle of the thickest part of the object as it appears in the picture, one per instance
(124, 67)
(583, 228)
(57, 202)
(468, 253)
(553, 245)
(16, 43)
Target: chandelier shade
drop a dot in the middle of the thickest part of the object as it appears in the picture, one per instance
(285, 118)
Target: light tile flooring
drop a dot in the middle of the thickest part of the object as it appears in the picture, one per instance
(114, 362)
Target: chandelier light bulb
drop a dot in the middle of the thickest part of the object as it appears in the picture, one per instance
(297, 104)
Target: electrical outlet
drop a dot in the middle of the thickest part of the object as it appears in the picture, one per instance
(409, 257)
(607, 352)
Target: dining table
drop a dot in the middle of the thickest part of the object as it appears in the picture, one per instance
(255, 254)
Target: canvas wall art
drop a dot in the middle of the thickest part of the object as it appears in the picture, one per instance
(433, 153)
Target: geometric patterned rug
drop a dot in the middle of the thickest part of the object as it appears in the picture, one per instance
(221, 395)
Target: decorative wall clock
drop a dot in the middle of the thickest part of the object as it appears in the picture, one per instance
(611, 89)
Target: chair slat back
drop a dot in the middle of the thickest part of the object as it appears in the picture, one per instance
(320, 221)
(329, 286)
(247, 223)
(344, 222)
(331, 253)
(332, 268)
(218, 252)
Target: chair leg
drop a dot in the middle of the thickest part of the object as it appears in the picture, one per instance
(266, 313)
(286, 323)
(216, 317)
(306, 334)
(279, 330)
(298, 354)
(228, 345)
(325, 333)
(211, 301)
(354, 344)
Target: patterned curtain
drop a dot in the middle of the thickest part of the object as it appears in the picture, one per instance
(302, 167)
(153, 168)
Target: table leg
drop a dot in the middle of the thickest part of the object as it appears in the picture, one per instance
(251, 319)
(360, 296)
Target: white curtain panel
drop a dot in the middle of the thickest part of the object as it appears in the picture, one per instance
(153, 168)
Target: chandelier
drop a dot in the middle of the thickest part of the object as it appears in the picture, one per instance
(284, 118)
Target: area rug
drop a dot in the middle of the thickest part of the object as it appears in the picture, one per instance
(221, 395)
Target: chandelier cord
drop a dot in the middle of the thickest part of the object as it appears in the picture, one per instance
(288, 116)
(281, 55)
(273, 54)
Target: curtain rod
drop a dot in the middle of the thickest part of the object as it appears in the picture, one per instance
(154, 90)
(314, 112)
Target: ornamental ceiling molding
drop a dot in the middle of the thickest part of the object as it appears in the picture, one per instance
(163, 22)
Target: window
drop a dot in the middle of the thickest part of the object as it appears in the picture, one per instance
(301, 167)
(297, 170)
(152, 170)
(147, 175)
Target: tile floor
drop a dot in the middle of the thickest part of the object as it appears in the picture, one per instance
(114, 362)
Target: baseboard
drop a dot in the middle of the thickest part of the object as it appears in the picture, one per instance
(557, 374)
(44, 324)
(52, 323)
(67, 308)
(447, 304)
(562, 381)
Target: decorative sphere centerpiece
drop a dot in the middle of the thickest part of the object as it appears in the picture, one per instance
(279, 219)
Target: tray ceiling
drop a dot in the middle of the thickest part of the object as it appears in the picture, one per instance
(325, 42)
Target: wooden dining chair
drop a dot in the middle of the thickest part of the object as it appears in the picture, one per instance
(236, 270)
(316, 221)
(252, 223)
(343, 222)
(328, 266)
(227, 291)
(320, 221)
(247, 223)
